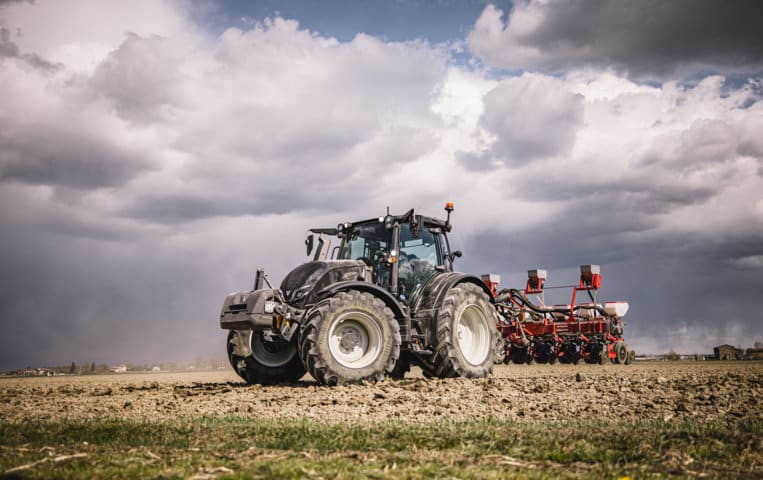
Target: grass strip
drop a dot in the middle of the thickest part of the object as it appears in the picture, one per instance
(246, 447)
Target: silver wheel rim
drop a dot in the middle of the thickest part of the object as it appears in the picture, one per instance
(472, 330)
(270, 354)
(355, 340)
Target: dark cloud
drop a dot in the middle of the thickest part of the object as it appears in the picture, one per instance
(171, 209)
(640, 194)
(670, 280)
(8, 49)
(643, 39)
(70, 156)
(66, 299)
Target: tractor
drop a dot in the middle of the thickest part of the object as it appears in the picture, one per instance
(383, 299)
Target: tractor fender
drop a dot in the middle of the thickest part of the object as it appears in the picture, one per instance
(427, 301)
(433, 292)
(371, 288)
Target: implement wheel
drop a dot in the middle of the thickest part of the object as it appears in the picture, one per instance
(258, 361)
(349, 338)
(631, 357)
(466, 334)
(499, 355)
(621, 352)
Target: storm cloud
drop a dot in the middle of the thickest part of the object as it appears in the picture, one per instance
(154, 169)
(645, 39)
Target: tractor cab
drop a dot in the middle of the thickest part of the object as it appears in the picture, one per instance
(401, 251)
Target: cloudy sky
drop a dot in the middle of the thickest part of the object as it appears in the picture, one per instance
(154, 154)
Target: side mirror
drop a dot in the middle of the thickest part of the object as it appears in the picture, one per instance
(455, 254)
(309, 242)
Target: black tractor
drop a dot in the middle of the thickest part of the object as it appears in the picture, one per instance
(383, 299)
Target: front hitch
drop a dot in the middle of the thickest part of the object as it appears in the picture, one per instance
(253, 310)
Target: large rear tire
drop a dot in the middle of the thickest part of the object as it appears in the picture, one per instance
(349, 338)
(465, 334)
(258, 361)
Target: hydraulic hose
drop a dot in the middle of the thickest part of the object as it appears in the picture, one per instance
(508, 293)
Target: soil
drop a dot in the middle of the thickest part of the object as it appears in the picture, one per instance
(696, 391)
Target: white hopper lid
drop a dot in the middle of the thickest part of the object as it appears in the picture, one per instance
(616, 309)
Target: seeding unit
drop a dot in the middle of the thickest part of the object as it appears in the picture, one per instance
(534, 331)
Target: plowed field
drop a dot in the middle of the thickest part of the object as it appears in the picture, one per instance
(725, 398)
(704, 391)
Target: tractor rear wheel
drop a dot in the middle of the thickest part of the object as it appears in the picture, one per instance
(258, 361)
(465, 334)
(349, 338)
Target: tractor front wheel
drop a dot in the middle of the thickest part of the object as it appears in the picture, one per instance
(258, 361)
(349, 338)
(465, 334)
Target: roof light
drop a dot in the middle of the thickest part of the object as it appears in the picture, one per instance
(449, 207)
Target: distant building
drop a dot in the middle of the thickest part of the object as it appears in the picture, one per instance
(35, 372)
(754, 353)
(156, 369)
(727, 352)
(118, 369)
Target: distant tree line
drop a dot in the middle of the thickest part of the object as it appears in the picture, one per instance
(199, 363)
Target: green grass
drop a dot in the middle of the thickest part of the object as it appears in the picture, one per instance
(252, 448)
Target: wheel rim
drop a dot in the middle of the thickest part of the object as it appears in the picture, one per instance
(355, 340)
(473, 335)
(270, 354)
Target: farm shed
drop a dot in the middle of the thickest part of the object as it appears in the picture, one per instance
(726, 352)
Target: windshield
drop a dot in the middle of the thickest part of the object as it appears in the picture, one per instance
(365, 241)
(369, 242)
(418, 257)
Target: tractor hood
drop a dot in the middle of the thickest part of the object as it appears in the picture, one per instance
(315, 276)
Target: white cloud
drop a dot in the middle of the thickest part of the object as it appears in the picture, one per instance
(81, 34)
(750, 261)
(532, 117)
